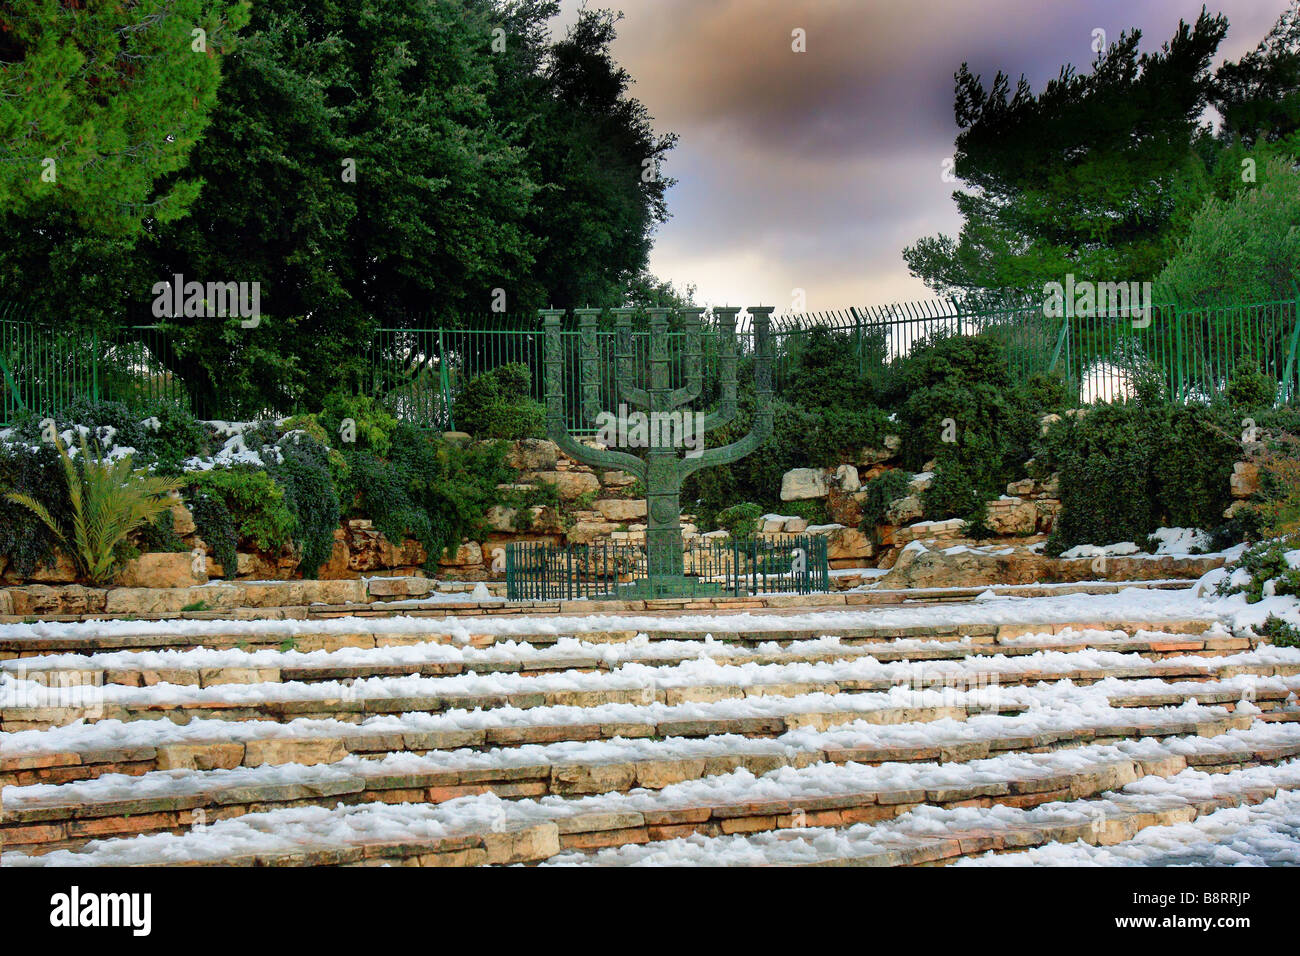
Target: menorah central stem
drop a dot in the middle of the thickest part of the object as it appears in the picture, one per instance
(661, 468)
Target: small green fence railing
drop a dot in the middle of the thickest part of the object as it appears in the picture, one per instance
(794, 564)
(419, 371)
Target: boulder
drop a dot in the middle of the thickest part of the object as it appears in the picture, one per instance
(875, 456)
(501, 518)
(163, 570)
(617, 479)
(571, 485)
(532, 454)
(62, 571)
(849, 544)
(803, 484)
(846, 477)
(468, 554)
(1013, 516)
(622, 509)
(1245, 479)
(39, 600)
(921, 482)
(904, 510)
(585, 532)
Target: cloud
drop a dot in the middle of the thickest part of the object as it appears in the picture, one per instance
(813, 170)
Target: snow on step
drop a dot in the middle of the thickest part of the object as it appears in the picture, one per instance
(929, 834)
(945, 739)
(653, 680)
(1266, 834)
(1130, 605)
(738, 799)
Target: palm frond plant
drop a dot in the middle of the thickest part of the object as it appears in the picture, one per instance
(109, 499)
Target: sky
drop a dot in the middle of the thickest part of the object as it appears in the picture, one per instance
(812, 171)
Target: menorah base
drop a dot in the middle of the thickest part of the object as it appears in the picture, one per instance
(668, 586)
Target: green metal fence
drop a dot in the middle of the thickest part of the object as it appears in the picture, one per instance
(787, 564)
(419, 370)
(44, 369)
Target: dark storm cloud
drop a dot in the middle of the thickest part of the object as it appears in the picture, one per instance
(814, 170)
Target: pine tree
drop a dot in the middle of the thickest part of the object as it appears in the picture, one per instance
(101, 100)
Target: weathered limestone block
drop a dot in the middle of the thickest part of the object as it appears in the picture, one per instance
(804, 484)
(40, 599)
(162, 570)
(904, 510)
(875, 456)
(571, 485)
(921, 483)
(621, 509)
(585, 532)
(532, 454)
(846, 477)
(62, 571)
(467, 555)
(501, 518)
(847, 544)
(171, 600)
(334, 592)
(403, 587)
(1245, 479)
(617, 479)
(1013, 516)
(182, 520)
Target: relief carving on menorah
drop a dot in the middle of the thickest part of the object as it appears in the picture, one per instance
(657, 417)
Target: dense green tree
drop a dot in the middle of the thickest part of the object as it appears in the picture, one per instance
(1245, 249)
(99, 100)
(1080, 178)
(394, 163)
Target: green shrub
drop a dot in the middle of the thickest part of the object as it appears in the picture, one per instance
(879, 492)
(1249, 388)
(1265, 562)
(216, 526)
(1280, 632)
(373, 422)
(108, 499)
(24, 539)
(178, 436)
(814, 512)
(498, 404)
(310, 496)
(958, 405)
(429, 489)
(255, 503)
(1129, 468)
(740, 521)
(160, 535)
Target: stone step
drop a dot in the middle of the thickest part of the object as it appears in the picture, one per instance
(208, 668)
(484, 829)
(932, 836)
(757, 629)
(87, 751)
(326, 600)
(55, 816)
(30, 705)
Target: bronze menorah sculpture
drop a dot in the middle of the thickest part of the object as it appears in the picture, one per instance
(661, 470)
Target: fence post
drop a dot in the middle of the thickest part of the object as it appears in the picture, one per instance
(445, 383)
(94, 364)
(1295, 339)
(1179, 357)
